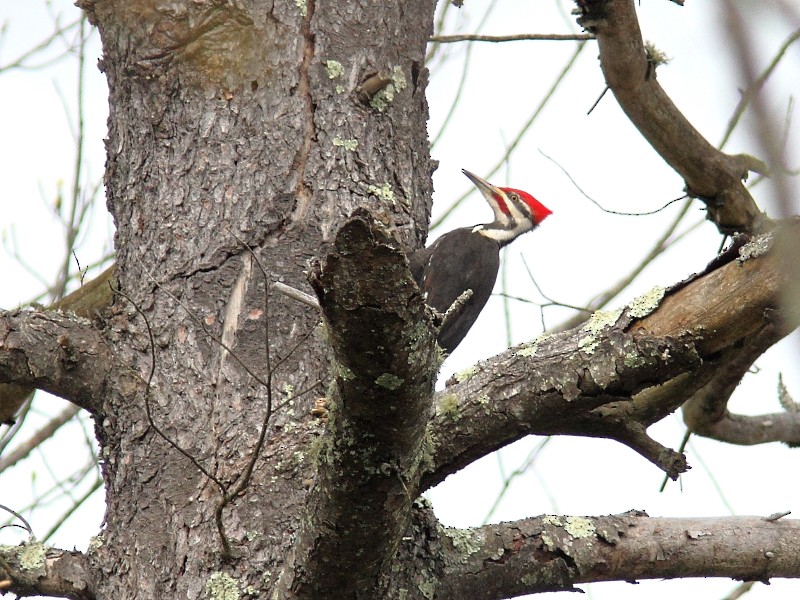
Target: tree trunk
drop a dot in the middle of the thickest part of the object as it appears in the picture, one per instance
(255, 446)
(237, 132)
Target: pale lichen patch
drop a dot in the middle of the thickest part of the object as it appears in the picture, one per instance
(580, 527)
(302, 5)
(755, 247)
(646, 303)
(466, 374)
(31, 556)
(389, 381)
(597, 323)
(448, 406)
(221, 586)
(548, 540)
(529, 350)
(633, 360)
(348, 144)
(334, 69)
(385, 97)
(342, 371)
(384, 191)
(465, 541)
(427, 588)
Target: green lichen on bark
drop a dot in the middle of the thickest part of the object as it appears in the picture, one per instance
(221, 586)
(599, 321)
(646, 303)
(31, 556)
(334, 69)
(348, 144)
(580, 527)
(466, 374)
(389, 381)
(449, 406)
(384, 98)
(464, 540)
(383, 191)
(529, 350)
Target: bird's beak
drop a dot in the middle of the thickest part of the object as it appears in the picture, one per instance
(493, 195)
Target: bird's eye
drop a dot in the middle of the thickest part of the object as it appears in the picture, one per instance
(515, 197)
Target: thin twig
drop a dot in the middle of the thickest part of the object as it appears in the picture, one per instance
(24, 449)
(752, 90)
(71, 510)
(600, 206)
(777, 516)
(148, 384)
(21, 518)
(515, 142)
(18, 63)
(519, 37)
(463, 79)
(217, 340)
(296, 294)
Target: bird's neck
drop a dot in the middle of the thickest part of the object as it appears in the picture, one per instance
(503, 233)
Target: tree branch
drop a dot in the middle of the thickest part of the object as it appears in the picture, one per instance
(710, 175)
(706, 412)
(369, 464)
(60, 354)
(554, 553)
(85, 302)
(550, 386)
(468, 37)
(34, 569)
(617, 380)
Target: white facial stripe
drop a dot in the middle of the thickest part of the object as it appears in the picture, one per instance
(499, 215)
(518, 214)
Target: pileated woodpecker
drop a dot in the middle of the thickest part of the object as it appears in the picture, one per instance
(468, 258)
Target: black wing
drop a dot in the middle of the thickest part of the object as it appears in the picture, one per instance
(457, 261)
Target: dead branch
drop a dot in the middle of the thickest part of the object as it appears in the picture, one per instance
(34, 569)
(615, 381)
(61, 354)
(369, 464)
(710, 175)
(554, 553)
(519, 37)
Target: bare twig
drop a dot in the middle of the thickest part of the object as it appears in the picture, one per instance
(777, 516)
(19, 62)
(710, 175)
(755, 86)
(148, 412)
(296, 294)
(519, 37)
(27, 525)
(24, 449)
(523, 130)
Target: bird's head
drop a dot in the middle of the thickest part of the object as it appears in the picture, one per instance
(515, 211)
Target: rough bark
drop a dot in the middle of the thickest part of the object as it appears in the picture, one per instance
(554, 553)
(369, 466)
(64, 355)
(253, 447)
(232, 125)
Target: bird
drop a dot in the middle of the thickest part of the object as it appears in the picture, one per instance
(468, 258)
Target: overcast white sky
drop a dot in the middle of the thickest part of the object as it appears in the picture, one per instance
(577, 252)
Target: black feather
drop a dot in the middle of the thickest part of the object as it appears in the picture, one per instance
(459, 260)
